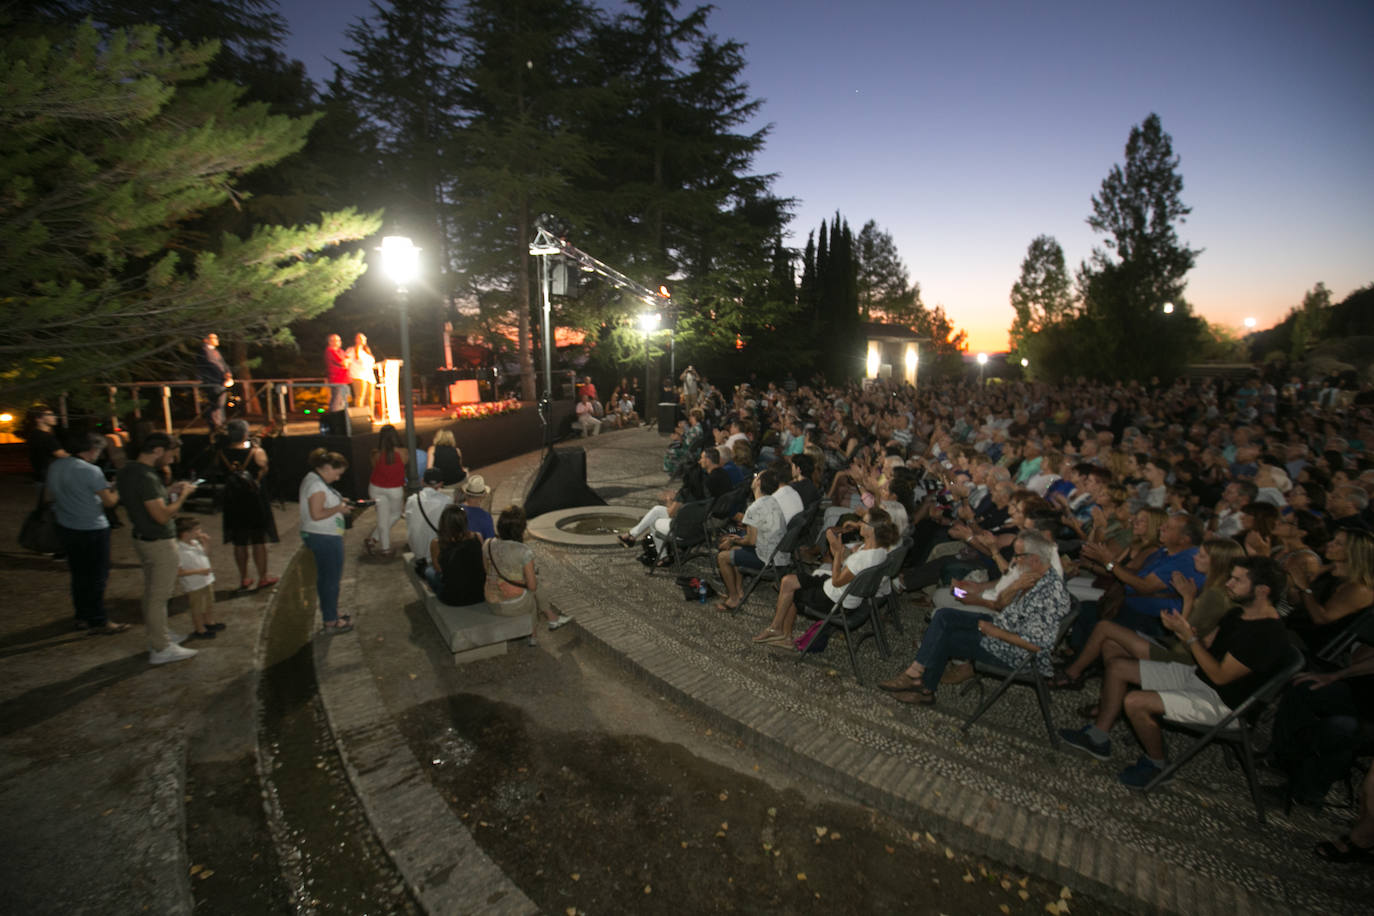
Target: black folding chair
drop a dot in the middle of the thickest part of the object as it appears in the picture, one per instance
(895, 561)
(773, 568)
(1027, 672)
(1360, 629)
(1236, 729)
(686, 537)
(864, 586)
(723, 508)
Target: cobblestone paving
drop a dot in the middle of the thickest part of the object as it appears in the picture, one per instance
(1204, 823)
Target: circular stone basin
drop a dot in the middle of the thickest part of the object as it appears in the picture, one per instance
(585, 526)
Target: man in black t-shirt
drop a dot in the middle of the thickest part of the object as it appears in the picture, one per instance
(1245, 650)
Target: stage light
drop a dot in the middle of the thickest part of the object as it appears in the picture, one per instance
(874, 360)
(648, 322)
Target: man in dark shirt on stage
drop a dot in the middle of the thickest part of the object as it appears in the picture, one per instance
(215, 380)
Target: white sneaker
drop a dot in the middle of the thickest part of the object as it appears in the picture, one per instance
(563, 620)
(173, 653)
(177, 638)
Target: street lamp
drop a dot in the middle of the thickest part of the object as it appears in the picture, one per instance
(1168, 308)
(982, 361)
(1250, 323)
(648, 323)
(1024, 362)
(401, 262)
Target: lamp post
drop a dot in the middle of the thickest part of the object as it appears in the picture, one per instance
(1168, 308)
(401, 262)
(648, 322)
(982, 361)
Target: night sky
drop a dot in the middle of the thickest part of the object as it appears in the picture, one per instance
(967, 128)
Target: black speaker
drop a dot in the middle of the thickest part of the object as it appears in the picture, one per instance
(561, 484)
(335, 423)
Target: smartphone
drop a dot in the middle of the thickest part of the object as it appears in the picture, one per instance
(198, 482)
(960, 593)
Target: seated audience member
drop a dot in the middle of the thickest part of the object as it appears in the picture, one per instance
(1248, 646)
(1148, 592)
(474, 490)
(658, 520)
(1346, 505)
(1318, 726)
(730, 466)
(1325, 604)
(1202, 609)
(1226, 518)
(1257, 522)
(1029, 623)
(444, 455)
(804, 479)
(456, 571)
(820, 591)
(511, 587)
(763, 529)
(423, 509)
(586, 416)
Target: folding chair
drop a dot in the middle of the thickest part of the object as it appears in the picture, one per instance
(1027, 672)
(1360, 629)
(895, 561)
(1235, 730)
(791, 540)
(686, 535)
(722, 509)
(863, 586)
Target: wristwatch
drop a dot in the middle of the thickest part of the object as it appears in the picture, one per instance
(1111, 565)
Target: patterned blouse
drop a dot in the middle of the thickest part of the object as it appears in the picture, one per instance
(1035, 617)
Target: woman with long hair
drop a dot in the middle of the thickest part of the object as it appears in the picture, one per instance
(512, 589)
(1326, 603)
(323, 512)
(455, 569)
(1203, 609)
(443, 454)
(362, 374)
(386, 485)
(248, 518)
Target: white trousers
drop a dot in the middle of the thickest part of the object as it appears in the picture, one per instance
(390, 504)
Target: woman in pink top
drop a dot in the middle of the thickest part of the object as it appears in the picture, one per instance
(386, 485)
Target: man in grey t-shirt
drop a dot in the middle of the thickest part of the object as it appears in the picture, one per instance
(82, 494)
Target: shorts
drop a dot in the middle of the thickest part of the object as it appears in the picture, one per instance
(1187, 698)
(745, 558)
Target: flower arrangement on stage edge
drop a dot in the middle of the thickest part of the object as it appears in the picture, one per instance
(485, 409)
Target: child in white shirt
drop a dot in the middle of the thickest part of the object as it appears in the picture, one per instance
(197, 576)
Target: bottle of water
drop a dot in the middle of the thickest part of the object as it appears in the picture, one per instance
(701, 592)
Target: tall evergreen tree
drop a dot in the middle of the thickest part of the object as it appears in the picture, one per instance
(109, 144)
(1040, 297)
(520, 149)
(884, 288)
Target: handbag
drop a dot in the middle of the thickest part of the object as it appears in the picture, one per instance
(39, 531)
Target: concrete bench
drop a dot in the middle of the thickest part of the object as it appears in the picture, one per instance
(471, 632)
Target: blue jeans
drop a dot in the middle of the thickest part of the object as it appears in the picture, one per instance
(329, 561)
(436, 581)
(952, 634)
(88, 558)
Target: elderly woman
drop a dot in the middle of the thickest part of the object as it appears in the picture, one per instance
(1029, 624)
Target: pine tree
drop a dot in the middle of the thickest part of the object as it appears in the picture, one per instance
(109, 144)
(1041, 296)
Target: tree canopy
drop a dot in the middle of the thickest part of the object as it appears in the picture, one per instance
(111, 145)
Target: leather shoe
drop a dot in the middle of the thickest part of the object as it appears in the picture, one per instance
(901, 683)
(957, 674)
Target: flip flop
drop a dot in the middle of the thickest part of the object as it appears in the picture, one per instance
(767, 635)
(109, 629)
(726, 608)
(268, 581)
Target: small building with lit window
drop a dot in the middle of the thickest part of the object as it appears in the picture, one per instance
(893, 351)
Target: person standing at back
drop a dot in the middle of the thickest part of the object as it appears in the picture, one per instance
(82, 495)
(336, 373)
(151, 507)
(387, 486)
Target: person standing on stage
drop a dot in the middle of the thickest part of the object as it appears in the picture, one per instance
(336, 373)
(215, 380)
(362, 373)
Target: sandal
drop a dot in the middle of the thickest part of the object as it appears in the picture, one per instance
(245, 585)
(268, 581)
(726, 607)
(625, 540)
(109, 629)
(340, 625)
(919, 697)
(767, 634)
(1328, 850)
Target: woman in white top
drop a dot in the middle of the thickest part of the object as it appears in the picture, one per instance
(820, 592)
(362, 374)
(323, 512)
